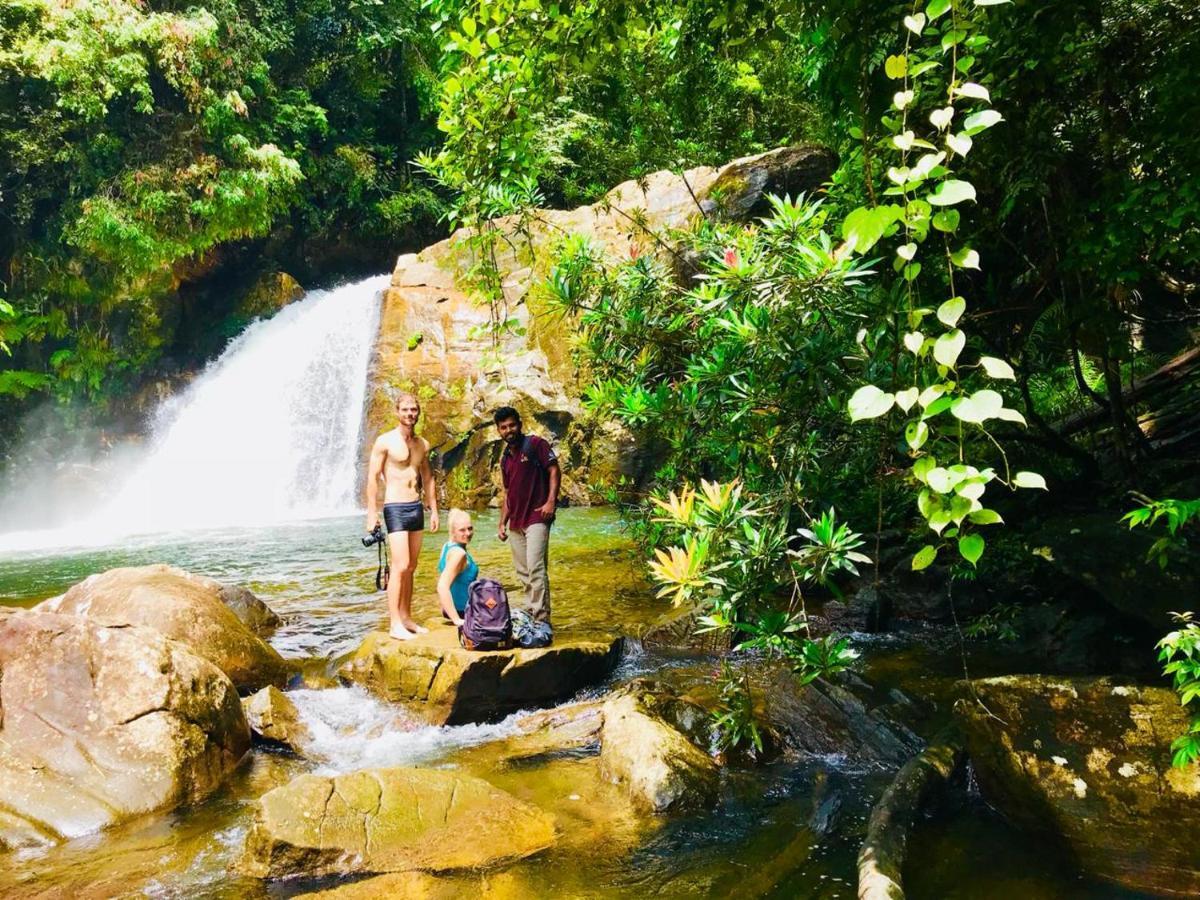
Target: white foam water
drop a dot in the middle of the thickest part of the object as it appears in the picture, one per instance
(269, 432)
(352, 730)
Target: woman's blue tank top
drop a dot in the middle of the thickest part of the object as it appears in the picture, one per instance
(462, 582)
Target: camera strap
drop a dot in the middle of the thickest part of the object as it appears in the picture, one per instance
(384, 571)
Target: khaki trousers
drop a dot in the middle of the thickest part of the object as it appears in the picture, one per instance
(529, 553)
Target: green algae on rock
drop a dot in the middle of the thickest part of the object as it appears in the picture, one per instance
(390, 820)
(1088, 761)
(100, 724)
(184, 607)
(455, 686)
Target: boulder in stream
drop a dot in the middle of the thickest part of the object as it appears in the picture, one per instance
(274, 719)
(390, 820)
(455, 686)
(1088, 761)
(99, 724)
(658, 763)
(182, 606)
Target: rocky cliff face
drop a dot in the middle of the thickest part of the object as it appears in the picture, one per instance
(436, 339)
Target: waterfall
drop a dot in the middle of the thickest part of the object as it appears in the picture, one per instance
(268, 433)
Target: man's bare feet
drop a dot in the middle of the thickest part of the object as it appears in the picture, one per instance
(400, 634)
(415, 628)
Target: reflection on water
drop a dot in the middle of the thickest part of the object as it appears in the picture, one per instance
(318, 576)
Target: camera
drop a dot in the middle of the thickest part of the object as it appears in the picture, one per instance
(375, 537)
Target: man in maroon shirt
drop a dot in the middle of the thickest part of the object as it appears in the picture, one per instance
(529, 470)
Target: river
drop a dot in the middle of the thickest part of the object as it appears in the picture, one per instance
(757, 843)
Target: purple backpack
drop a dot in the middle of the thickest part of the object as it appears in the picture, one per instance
(487, 623)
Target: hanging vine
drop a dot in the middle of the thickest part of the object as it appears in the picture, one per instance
(937, 112)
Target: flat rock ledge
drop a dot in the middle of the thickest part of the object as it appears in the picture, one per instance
(455, 686)
(390, 820)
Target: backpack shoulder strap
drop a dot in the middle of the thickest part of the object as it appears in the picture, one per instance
(527, 450)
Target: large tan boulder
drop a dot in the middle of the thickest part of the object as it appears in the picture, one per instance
(390, 820)
(660, 766)
(437, 340)
(454, 686)
(1087, 762)
(274, 719)
(185, 607)
(99, 724)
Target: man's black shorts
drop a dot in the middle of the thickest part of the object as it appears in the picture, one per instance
(404, 516)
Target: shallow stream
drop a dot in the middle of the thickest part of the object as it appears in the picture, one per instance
(758, 843)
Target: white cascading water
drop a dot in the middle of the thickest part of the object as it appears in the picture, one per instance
(268, 432)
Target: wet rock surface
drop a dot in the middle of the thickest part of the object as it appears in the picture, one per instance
(181, 606)
(454, 686)
(642, 749)
(390, 820)
(99, 724)
(274, 719)
(1088, 762)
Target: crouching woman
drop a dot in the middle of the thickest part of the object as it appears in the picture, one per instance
(457, 568)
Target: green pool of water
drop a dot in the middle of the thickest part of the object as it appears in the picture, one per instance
(757, 843)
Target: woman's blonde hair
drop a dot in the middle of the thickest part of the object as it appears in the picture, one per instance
(456, 516)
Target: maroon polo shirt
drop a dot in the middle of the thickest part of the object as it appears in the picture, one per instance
(525, 471)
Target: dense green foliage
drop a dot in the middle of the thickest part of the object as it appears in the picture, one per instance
(138, 142)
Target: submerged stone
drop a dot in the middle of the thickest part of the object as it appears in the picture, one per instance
(390, 820)
(274, 719)
(456, 686)
(1088, 761)
(100, 724)
(185, 607)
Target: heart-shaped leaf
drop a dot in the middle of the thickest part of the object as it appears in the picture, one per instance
(896, 67)
(951, 311)
(1011, 415)
(901, 99)
(1029, 480)
(974, 91)
(970, 547)
(899, 174)
(904, 141)
(907, 251)
(915, 24)
(978, 408)
(966, 258)
(924, 557)
(997, 368)
(869, 402)
(930, 394)
(914, 341)
(941, 117)
(906, 398)
(960, 143)
(985, 517)
(916, 434)
(937, 8)
(946, 220)
(947, 347)
(977, 122)
(952, 191)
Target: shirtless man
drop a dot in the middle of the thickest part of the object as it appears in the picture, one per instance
(402, 459)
